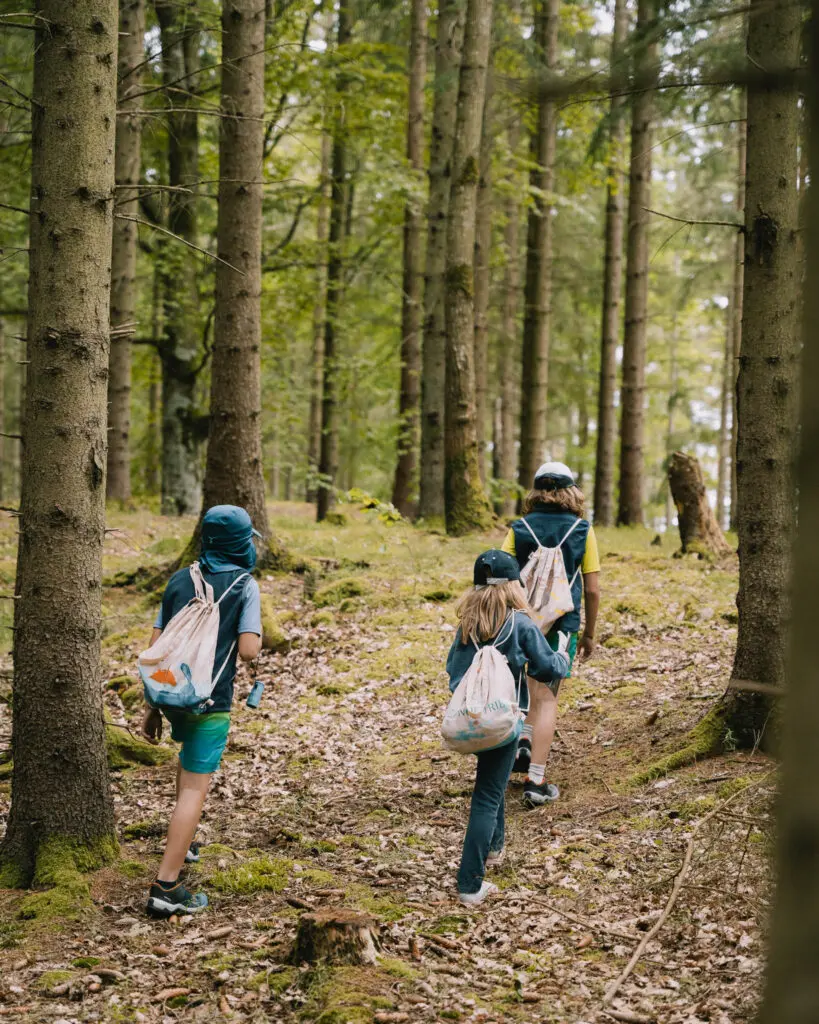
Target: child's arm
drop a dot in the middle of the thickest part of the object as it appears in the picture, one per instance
(591, 591)
(250, 622)
(545, 665)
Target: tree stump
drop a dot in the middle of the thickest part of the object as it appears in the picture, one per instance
(337, 936)
(699, 530)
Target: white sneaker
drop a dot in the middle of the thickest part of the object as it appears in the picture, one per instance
(472, 899)
(496, 858)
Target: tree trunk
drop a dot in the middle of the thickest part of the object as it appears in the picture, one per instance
(632, 398)
(124, 247)
(322, 222)
(4, 417)
(336, 937)
(538, 285)
(328, 461)
(508, 349)
(180, 348)
(60, 793)
(612, 290)
(233, 472)
(699, 530)
(466, 505)
(737, 296)
(153, 433)
(792, 978)
(15, 389)
(447, 63)
(406, 470)
(673, 339)
(767, 394)
(482, 272)
(724, 442)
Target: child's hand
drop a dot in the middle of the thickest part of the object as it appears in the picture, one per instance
(563, 643)
(586, 647)
(152, 725)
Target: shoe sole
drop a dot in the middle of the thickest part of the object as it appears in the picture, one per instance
(156, 907)
(533, 802)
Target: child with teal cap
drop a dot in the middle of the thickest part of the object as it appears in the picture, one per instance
(227, 554)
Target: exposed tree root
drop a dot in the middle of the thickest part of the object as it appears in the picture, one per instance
(704, 740)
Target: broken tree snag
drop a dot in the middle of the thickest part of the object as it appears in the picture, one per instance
(699, 530)
(336, 936)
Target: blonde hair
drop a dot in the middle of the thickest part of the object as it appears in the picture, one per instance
(483, 612)
(570, 499)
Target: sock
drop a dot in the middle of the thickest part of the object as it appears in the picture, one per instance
(536, 773)
(167, 885)
(527, 733)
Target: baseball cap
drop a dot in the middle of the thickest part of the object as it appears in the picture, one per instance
(553, 476)
(494, 567)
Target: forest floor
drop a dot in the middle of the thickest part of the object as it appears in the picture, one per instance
(337, 792)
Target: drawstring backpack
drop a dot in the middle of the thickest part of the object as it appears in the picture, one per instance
(177, 671)
(546, 582)
(484, 711)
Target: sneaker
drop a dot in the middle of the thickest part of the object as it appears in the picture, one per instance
(496, 858)
(472, 899)
(524, 758)
(536, 794)
(192, 856)
(164, 902)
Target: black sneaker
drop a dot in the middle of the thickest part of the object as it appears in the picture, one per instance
(164, 902)
(192, 856)
(536, 794)
(524, 758)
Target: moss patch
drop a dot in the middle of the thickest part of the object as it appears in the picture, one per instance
(703, 740)
(151, 828)
(261, 874)
(339, 591)
(274, 637)
(50, 979)
(125, 750)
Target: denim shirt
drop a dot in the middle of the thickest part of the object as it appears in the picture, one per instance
(525, 649)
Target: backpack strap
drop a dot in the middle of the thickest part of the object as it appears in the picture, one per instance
(534, 535)
(569, 532)
(218, 675)
(244, 576)
(200, 584)
(498, 641)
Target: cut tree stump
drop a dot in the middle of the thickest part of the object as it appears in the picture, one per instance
(337, 936)
(699, 530)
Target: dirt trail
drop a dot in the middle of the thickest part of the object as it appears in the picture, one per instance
(337, 792)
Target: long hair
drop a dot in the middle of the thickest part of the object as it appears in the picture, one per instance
(570, 499)
(482, 613)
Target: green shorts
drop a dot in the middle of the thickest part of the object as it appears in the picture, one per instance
(203, 739)
(553, 640)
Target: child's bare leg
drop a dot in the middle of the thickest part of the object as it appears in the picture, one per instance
(192, 788)
(543, 719)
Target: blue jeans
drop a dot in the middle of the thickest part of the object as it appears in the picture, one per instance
(485, 829)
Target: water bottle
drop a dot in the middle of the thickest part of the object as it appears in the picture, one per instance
(254, 698)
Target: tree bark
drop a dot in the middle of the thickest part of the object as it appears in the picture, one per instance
(767, 394)
(180, 348)
(60, 792)
(724, 442)
(447, 63)
(792, 978)
(124, 247)
(482, 272)
(336, 936)
(538, 285)
(632, 398)
(737, 295)
(406, 470)
(4, 416)
(699, 530)
(233, 471)
(328, 461)
(466, 504)
(322, 223)
(612, 290)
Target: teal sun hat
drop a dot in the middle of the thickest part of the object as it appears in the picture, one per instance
(227, 539)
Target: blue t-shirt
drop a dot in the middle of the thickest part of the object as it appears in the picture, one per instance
(239, 612)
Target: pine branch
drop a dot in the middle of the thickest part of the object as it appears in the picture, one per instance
(178, 238)
(705, 223)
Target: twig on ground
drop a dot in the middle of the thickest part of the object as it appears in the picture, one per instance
(584, 922)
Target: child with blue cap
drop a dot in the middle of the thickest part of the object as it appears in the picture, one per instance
(227, 554)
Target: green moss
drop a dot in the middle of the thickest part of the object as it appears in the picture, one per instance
(703, 740)
(53, 903)
(439, 596)
(86, 962)
(468, 509)
(335, 518)
(398, 968)
(629, 690)
(339, 591)
(322, 619)
(132, 697)
(449, 923)
(166, 547)
(459, 278)
(731, 786)
(131, 868)
(334, 689)
(261, 874)
(11, 934)
(11, 876)
(619, 642)
(274, 638)
(213, 850)
(6, 770)
(50, 979)
(385, 908)
(125, 750)
(119, 683)
(276, 981)
(151, 828)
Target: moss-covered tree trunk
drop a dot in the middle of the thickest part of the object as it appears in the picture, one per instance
(612, 289)
(792, 978)
(538, 285)
(124, 247)
(466, 504)
(60, 794)
(633, 391)
(322, 224)
(448, 45)
(767, 394)
(339, 197)
(699, 530)
(736, 296)
(406, 470)
(233, 472)
(180, 347)
(482, 272)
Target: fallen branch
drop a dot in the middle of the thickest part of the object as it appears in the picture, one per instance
(592, 926)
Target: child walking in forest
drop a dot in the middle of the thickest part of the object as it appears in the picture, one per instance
(496, 610)
(554, 517)
(228, 554)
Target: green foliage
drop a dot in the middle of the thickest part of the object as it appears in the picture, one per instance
(260, 874)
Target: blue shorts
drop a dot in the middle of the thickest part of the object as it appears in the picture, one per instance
(203, 739)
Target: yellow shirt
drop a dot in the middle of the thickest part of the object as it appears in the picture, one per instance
(591, 556)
